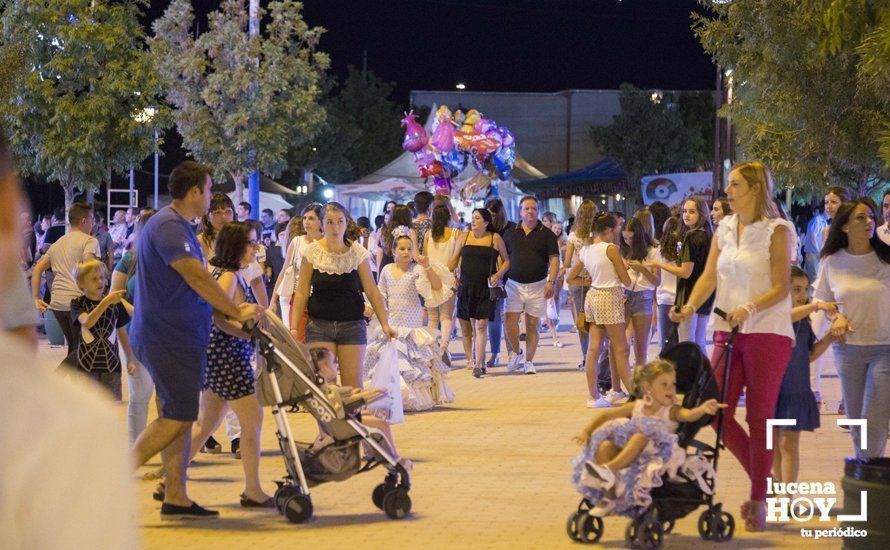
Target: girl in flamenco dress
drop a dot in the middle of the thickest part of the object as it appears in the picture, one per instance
(401, 284)
(628, 449)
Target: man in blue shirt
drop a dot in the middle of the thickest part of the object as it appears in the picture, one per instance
(175, 295)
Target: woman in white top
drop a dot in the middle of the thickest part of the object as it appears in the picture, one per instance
(583, 219)
(604, 305)
(666, 293)
(439, 245)
(638, 247)
(307, 230)
(855, 271)
(752, 283)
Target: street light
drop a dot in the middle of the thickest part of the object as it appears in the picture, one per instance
(145, 116)
(461, 86)
(328, 193)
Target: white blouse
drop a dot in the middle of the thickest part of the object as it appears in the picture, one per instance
(862, 283)
(744, 274)
(638, 281)
(666, 293)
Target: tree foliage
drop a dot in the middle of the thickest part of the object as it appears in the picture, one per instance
(658, 133)
(362, 131)
(79, 74)
(800, 103)
(241, 104)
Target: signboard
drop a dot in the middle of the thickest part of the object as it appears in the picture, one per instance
(671, 189)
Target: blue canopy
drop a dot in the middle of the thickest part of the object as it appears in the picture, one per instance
(605, 177)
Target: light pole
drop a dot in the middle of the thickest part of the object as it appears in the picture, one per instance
(145, 116)
(253, 180)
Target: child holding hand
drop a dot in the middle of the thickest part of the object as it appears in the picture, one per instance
(628, 449)
(96, 318)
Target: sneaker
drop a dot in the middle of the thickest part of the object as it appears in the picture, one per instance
(602, 508)
(492, 362)
(557, 344)
(211, 446)
(170, 512)
(236, 447)
(601, 403)
(529, 368)
(614, 396)
(516, 362)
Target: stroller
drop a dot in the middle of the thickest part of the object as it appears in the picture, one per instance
(289, 378)
(677, 498)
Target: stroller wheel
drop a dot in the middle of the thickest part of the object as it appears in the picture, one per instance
(298, 508)
(282, 494)
(583, 527)
(668, 526)
(716, 526)
(378, 494)
(646, 532)
(397, 503)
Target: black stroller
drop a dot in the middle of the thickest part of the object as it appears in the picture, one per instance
(674, 500)
(289, 378)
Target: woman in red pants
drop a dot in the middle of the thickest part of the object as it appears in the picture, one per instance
(752, 281)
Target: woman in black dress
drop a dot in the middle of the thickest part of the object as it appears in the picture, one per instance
(477, 252)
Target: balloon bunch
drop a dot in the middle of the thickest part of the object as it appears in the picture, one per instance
(460, 139)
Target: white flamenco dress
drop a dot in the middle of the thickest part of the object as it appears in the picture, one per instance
(423, 372)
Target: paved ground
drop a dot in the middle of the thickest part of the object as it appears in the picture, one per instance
(491, 471)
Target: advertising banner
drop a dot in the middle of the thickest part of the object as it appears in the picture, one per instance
(673, 188)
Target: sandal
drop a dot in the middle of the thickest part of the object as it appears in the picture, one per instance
(160, 492)
(756, 519)
(248, 503)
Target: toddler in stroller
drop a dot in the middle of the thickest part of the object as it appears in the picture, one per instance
(628, 450)
(289, 377)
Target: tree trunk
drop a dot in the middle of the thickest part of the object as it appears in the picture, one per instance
(68, 187)
(239, 187)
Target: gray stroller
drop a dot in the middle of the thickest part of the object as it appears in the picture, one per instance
(288, 378)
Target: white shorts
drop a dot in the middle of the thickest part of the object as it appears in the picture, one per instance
(528, 298)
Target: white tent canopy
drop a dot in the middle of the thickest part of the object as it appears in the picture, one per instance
(399, 181)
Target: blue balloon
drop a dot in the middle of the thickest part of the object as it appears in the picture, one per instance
(454, 161)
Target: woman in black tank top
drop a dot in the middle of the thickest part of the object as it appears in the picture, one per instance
(334, 273)
(478, 251)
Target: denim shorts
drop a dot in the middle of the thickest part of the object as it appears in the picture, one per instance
(341, 333)
(640, 302)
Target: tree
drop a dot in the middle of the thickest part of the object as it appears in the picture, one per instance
(241, 104)
(362, 132)
(658, 133)
(83, 75)
(863, 27)
(798, 106)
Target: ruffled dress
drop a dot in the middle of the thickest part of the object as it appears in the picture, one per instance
(423, 372)
(634, 483)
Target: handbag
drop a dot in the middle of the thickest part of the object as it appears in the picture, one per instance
(581, 318)
(498, 292)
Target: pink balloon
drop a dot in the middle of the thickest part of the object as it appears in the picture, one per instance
(415, 135)
(443, 136)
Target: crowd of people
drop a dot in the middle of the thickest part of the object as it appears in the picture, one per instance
(200, 268)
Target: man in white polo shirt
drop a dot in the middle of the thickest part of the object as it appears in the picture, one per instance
(534, 265)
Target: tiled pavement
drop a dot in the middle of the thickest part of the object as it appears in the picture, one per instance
(491, 471)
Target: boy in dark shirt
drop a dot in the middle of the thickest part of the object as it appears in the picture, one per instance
(95, 319)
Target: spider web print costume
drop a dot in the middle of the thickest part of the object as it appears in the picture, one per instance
(95, 352)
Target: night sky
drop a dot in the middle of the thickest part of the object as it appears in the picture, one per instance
(492, 45)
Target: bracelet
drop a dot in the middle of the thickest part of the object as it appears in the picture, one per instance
(750, 308)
